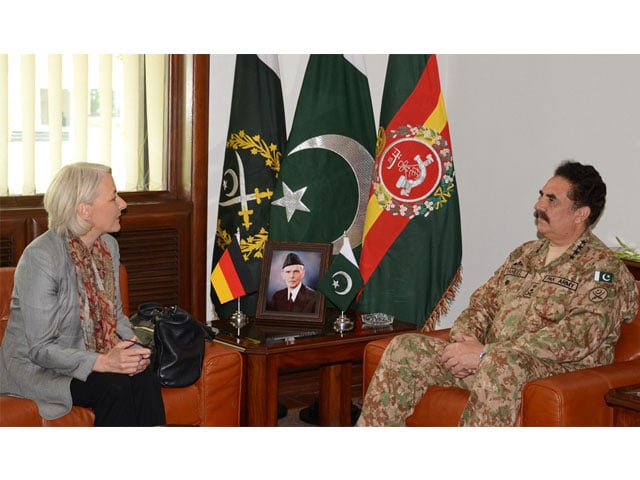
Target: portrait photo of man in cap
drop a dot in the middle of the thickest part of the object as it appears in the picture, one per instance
(296, 296)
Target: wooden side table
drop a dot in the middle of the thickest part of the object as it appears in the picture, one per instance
(333, 353)
(626, 405)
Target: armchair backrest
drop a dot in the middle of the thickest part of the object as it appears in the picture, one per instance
(6, 289)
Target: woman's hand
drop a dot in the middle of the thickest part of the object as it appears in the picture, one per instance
(462, 357)
(125, 357)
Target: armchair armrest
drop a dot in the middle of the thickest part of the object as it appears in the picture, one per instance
(576, 398)
(374, 350)
(221, 386)
(214, 400)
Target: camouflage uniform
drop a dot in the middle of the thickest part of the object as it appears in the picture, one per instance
(534, 320)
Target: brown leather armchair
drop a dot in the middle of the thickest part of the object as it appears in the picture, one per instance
(570, 399)
(214, 400)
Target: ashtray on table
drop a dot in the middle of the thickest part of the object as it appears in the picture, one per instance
(377, 319)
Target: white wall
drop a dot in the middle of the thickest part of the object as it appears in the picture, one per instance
(513, 118)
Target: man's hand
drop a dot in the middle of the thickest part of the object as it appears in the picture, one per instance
(462, 357)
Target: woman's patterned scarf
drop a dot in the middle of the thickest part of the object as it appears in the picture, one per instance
(97, 291)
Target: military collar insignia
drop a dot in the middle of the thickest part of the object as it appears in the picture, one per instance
(576, 250)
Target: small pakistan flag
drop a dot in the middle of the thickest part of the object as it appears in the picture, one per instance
(604, 277)
(343, 280)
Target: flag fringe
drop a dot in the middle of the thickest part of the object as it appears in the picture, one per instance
(442, 307)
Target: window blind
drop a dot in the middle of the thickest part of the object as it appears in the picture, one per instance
(57, 109)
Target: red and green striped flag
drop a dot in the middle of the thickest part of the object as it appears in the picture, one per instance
(231, 277)
(412, 242)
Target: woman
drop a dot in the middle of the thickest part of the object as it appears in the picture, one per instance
(67, 341)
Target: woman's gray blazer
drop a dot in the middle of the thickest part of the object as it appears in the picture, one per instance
(43, 347)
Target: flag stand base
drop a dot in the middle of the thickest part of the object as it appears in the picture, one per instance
(343, 323)
(239, 319)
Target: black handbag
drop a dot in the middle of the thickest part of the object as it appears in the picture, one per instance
(178, 342)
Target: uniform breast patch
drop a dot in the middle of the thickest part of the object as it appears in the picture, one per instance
(598, 294)
(560, 281)
(604, 277)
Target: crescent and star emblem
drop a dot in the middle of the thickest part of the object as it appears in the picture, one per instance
(336, 282)
(242, 197)
(291, 201)
(361, 163)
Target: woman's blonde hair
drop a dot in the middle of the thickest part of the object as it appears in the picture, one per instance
(74, 184)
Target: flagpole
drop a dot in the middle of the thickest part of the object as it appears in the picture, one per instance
(238, 318)
(343, 323)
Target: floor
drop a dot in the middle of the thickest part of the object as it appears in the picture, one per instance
(300, 389)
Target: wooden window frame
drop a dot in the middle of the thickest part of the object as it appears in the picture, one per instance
(182, 206)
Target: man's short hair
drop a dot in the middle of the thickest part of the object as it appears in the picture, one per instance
(588, 189)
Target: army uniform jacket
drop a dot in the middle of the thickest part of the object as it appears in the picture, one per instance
(567, 312)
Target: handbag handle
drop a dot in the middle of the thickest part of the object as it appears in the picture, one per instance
(149, 310)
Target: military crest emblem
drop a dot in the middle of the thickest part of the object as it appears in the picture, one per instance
(246, 191)
(414, 174)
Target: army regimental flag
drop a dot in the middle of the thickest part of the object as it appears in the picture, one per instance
(322, 190)
(343, 280)
(255, 142)
(412, 245)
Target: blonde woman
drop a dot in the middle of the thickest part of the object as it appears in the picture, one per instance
(67, 341)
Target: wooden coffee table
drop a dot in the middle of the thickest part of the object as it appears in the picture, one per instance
(626, 405)
(333, 353)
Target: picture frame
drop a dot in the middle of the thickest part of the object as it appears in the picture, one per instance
(280, 261)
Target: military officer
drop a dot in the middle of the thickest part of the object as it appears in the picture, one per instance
(554, 306)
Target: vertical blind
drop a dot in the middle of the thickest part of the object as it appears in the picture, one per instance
(59, 109)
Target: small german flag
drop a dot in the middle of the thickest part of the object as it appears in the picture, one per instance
(231, 277)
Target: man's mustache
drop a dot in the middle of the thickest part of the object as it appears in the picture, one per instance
(542, 215)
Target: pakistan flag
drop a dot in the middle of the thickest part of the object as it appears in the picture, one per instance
(325, 175)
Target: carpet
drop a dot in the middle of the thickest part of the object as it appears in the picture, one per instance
(292, 419)
(308, 416)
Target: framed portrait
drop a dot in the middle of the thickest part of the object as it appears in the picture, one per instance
(288, 291)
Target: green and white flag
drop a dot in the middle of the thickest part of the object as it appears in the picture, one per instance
(323, 187)
(255, 142)
(343, 280)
